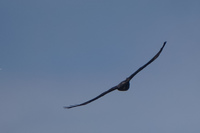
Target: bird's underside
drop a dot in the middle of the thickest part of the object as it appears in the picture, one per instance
(122, 86)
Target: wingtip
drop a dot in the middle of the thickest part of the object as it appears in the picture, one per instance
(65, 107)
(69, 107)
(164, 44)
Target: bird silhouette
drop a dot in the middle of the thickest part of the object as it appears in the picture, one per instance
(122, 86)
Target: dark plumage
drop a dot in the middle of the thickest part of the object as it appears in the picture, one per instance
(124, 85)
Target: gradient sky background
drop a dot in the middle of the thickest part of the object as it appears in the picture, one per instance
(62, 52)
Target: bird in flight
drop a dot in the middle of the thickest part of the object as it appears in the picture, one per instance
(122, 86)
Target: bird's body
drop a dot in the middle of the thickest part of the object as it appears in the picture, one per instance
(124, 85)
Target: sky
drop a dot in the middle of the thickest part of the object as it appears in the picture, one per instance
(55, 53)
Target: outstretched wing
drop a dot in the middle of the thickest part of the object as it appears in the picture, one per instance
(102, 94)
(142, 67)
(117, 87)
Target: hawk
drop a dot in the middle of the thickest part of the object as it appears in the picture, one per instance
(122, 86)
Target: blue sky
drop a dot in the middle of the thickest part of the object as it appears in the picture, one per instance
(63, 52)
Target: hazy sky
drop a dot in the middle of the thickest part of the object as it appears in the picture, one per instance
(55, 53)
